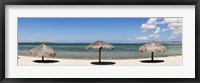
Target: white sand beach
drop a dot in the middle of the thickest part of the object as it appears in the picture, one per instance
(168, 61)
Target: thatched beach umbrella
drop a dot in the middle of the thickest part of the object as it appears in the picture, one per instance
(152, 47)
(100, 45)
(42, 51)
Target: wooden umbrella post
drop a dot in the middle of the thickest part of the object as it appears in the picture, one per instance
(42, 58)
(100, 54)
(151, 56)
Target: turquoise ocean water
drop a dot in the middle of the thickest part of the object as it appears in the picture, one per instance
(121, 51)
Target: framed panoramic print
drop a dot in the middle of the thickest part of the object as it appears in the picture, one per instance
(56, 40)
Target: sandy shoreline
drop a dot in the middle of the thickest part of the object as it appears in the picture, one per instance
(168, 61)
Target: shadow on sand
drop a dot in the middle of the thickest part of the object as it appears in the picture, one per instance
(103, 63)
(45, 61)
(152, 61)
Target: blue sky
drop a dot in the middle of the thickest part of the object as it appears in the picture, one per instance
(87, 30)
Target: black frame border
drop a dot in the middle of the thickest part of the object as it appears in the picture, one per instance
(98, 2)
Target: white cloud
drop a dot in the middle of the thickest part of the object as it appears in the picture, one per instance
(148, 26)
(142, 38)
(173, 20)
(176, 28)
(172, 37)
(144, 31)
(177, 31)
(173, 24)
(155, 33)
(151, 20)
(163, 30)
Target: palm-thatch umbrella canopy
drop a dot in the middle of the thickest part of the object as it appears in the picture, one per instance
(152, 47)
(42, 51)
(100, 45)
